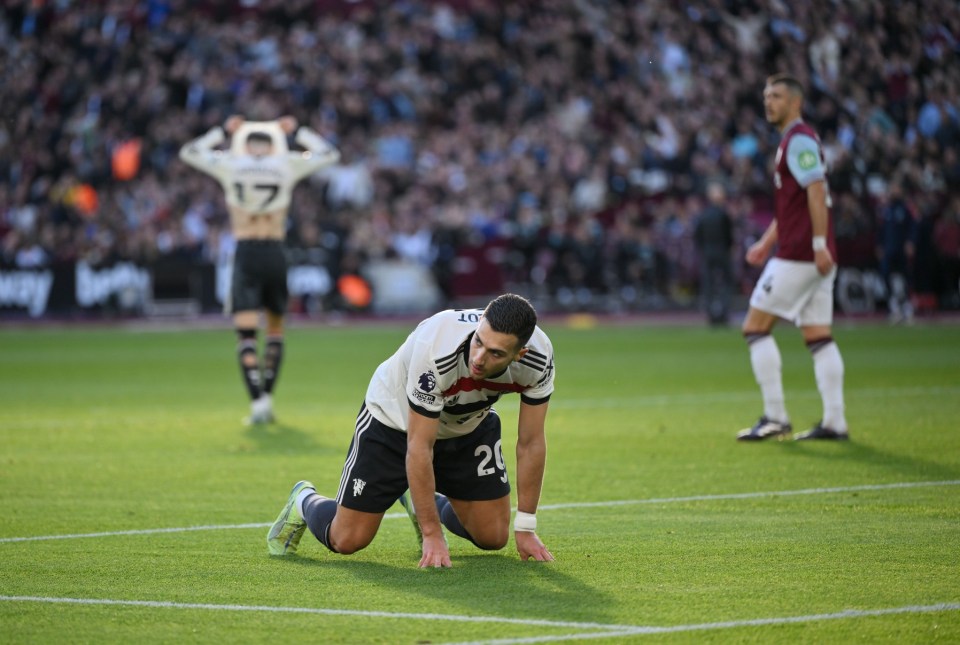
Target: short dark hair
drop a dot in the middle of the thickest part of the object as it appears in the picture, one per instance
(512, 314)
(259, 137)
(795, 86)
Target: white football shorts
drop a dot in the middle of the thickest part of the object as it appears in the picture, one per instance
(795, 291)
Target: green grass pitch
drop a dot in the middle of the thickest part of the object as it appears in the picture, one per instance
(109, 435)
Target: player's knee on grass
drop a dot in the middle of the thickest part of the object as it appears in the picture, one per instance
(347, 541)
(493, 542)
(490, 537)
(348, 537)
(484, 533)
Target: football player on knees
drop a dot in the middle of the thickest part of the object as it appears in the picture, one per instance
(428, 436)
(797, 284)
(258, 174)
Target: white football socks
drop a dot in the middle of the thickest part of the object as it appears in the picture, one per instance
(828, 368)
(767, 365)
(304, 494)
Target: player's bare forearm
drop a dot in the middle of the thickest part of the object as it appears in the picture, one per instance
(422, 487)
(759, 250)
(817, 205)
(421, 435)
(199, 152)
(320, 153)
(531, 463)
(531, 455)
(769, 237)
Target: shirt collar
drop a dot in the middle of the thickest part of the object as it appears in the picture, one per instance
(792, 125)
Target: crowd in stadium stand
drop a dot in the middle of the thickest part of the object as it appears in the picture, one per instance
(575, 138)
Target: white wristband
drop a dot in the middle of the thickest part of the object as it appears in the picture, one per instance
(525, 522)
(819, 242)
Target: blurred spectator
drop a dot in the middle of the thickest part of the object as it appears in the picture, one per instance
(568, 136)
(713, 235)
(897, 242)
(946, 236)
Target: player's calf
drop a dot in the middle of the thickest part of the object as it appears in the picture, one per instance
(272, 359)
(249, 364)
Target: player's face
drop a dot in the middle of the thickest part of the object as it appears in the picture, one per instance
(778, 103)
(492, 352)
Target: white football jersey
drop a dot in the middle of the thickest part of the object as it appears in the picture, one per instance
(429, 373)
(259, 184)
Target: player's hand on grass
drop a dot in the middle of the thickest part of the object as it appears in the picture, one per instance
(530, 546)
(435, 553)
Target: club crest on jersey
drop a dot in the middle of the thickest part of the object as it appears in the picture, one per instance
(807, 160)
(427, 382)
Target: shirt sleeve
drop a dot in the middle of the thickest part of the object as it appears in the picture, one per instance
(540, 391)
(200, 152)
(319, 154)
(423, 383)
(803, 160)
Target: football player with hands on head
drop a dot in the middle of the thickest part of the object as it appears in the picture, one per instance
(797, 284)
(258, 174)
(428, 436)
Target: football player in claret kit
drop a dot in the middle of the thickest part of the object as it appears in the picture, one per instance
(797, 284)
(258, 174)
(427, 424)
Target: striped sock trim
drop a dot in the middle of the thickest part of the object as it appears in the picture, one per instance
(752, 337)
(816, 345)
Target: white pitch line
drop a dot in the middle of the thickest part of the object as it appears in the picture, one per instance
(743, 395)
(732, 624)
(544, 507)
(183, 529)
(780, 493)
(164, 604)
(610, 631)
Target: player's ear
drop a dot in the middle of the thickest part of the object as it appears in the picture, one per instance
(521, 353)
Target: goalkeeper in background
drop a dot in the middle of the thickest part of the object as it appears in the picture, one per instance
(258, 173)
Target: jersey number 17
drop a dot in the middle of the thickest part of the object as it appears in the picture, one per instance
(270, 191)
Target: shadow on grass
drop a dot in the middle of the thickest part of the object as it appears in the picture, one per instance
(903, 465)
(487, 584)
(281, 438)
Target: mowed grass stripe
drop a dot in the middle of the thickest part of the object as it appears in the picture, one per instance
(162, 604)
(544, 507)
(113, 432)
(34, 419)
(610, 631)
(731, 624)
